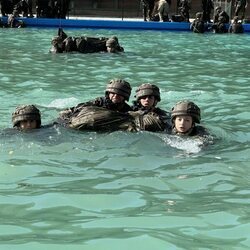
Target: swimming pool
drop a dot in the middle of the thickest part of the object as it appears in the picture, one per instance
(63, 189)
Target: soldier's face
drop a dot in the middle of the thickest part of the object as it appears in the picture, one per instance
(183, 123)
(111, 49)
(147, 101)
(115, 98)
(28, 124)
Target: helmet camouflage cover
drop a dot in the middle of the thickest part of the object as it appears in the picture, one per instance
(56, 40)
(147, 89)
(112, 42)
(26, 112)
(186, 108)
(119, 87)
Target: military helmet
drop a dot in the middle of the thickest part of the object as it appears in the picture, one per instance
(26, 112)
(119, 87)
(147, 89)
(56, 40)
(112, 42)
(186, 108)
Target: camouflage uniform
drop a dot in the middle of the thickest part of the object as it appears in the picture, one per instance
(219, 14)
(62, 43)
(116, 86)
(26, 112)
(152, 119)
(198, 25)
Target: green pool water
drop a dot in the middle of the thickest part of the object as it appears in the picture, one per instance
(64, 189)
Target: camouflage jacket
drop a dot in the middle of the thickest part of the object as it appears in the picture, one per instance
(104, 102)
(154, 119)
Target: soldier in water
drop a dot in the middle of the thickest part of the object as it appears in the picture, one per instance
(113, 46)
(26, 117)
(103, 113)
(198, 25)
(184, 116)
(147, 115)
(83, 44)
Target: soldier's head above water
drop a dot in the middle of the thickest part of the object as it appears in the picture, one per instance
(118, 90)
(148, 95)
(184, 116)
(26, 117)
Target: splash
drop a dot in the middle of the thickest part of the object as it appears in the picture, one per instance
(187, 144)
(62, 103)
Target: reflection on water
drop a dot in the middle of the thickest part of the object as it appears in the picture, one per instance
(64, 189)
